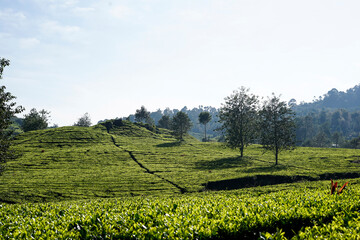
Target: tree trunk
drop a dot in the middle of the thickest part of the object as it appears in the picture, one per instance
(205, 133)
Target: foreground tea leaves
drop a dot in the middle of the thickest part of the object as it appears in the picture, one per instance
(298, 213)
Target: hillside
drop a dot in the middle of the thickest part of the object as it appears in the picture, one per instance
(333, 99)
(128, 160)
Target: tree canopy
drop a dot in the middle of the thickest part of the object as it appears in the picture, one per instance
(36, 120)
(7, 112)
(180, 124)
(84, 121)
(204, 118)
(277, 126)
(142, 115)
(239, 117)
(165, 122)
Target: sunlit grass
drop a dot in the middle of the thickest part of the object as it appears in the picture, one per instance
(83, 163)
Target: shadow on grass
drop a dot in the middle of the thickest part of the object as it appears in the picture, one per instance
(170, 144)
(253, 181)
(264, 180)
(223, 163)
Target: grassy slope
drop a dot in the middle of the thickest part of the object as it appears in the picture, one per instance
(81, 163)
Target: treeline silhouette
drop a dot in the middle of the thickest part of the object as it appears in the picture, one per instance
(333, 99)
(332, 120)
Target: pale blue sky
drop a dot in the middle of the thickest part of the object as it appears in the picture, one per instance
(108, 58)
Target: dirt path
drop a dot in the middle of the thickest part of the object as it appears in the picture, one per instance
(182, 190)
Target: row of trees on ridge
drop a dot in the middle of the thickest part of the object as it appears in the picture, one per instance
(243, 122)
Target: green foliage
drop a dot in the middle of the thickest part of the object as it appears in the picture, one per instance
(99, 166)
(355, 143)
(277, 126)
(180, 124)
(204, 118)
(35, 120)
(7, 112)
(196, 129)
(334, 99)
(14, 129)
(334, 127)
(69, 163)
(142, 115)
(165, 122)
(84, 121)
(303, 211)
(239, 116)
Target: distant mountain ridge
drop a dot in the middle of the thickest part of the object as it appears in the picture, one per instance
(333, 99)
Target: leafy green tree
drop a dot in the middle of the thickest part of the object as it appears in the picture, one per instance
(7, 112)
(355, 143)
(309, 127)
(180, 124)
(239, 117)
(165, 122)
(142, 115)
(84, 121)
(36, 120)
(337, 138)
(204, 118)
(277, 126)
(321, 140)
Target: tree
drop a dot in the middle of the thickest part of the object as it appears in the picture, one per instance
(7, 112)
(239, 117)
(164, 122)
(337, 138)
(321, 140)
(84, 121)
(355, 143)
(35, 120)
(142, 114)
(309, 127)
(204, 118)
(277, 126)
(180, 124)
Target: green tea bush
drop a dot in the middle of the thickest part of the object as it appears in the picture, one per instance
(277, 215)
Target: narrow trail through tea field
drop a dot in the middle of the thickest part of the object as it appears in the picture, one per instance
(182, 190)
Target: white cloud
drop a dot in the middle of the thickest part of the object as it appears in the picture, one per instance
(192, 15)
(54, 4)
(70, 2)
(28, 42)
(120, 11)
(83, 9)
(4, 35)
(65, 31)
(54, 26)
(10, 16)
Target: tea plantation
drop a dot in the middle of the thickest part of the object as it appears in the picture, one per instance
(133, 182)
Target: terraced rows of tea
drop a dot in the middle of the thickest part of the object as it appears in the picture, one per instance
(129, 160)
(297, 211)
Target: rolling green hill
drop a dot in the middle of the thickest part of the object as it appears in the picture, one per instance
(71, 163)
(115, 183)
